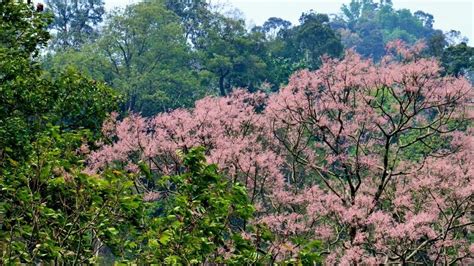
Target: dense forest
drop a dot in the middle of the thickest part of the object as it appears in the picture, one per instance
(172, 132)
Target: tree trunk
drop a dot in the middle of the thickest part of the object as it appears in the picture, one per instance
(221, 86)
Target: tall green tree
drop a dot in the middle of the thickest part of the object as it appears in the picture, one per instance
(368, 26)
(50, 210)
(29, 99)
(143, 54)
(21, 34)
(298, 47)
(458, 60)
(194, 16)
(273, 26)
(232, 55)
(75, 21)
(436, 44)
(148, 58)
(314, 38)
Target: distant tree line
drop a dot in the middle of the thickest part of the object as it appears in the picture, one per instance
(163, 54)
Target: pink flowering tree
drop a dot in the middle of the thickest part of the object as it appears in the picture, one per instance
(386, 171)
(375, 160)
(228, 127)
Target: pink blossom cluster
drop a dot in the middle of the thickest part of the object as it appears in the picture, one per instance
(375, 160)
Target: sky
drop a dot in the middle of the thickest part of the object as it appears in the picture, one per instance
(448, 14)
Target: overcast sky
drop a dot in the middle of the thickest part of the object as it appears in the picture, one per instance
(448, 14)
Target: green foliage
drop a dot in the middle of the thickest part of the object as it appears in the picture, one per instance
(142, 53)
(311, 253)
(458, 59)
(436, 44)
(289, 49)
(163, 55)
(74, 21)
(30, 102)
(368, 26)
(234, 56)
(81, 102)
(194, 16)
(200, 217)
(52, 211)
(29, 98)
(21, 29)
(315, 38)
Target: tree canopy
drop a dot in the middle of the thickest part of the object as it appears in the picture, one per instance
(172, 132)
